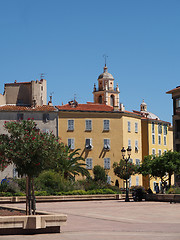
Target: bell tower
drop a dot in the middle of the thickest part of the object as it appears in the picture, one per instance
(106, 93)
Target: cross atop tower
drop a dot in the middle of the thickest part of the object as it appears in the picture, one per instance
(105, 58)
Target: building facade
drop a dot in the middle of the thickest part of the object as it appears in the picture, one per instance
(25, 93)
(27, 100)
(100, 129)
(157, 138)
(100, 133)
(176, 123)
(46, 118)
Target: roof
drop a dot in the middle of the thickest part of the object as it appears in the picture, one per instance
(146, 114)
(30, 109)
(95, 107)
(16, 83)
(173, 90)
(92, 107)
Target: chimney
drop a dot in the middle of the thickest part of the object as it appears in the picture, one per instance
(122, 108)
(50, 103)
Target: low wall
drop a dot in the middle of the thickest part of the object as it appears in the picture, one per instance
(163, 197)
(21, 199)
(43, 222)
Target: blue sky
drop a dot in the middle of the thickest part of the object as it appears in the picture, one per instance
(66, 40)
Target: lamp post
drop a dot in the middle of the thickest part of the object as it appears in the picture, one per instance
(123, 150)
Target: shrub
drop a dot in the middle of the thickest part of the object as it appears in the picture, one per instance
(99, 174)
(21, 183)
(52, 182)
(41, 193)
(173, 190)
(9, 185)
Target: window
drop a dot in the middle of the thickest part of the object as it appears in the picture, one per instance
(137, 181)
(129, 126)
(46, 130)
(165, 142)
(70, 125)
(131, 160)
(20, 116)
(154, 151)
(106, 125)
(129, 143)
(165, 151)
(165, 129)
(136, 127)
(71, 143)
(153, 127)
(112, 100)
(106, 144)
(88, 163)
(154, 186)
(160, 152)
(108, 179)
(159, 128)
(100, 99)
(178, 103)
(136, 145)
(46, 117)
(153, 138)
(15, 173)
(106, 163)
(137, 162)
(88, 143)
(88, 125)
(159, 139)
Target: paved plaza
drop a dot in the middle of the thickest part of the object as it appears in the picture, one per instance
(112, 219)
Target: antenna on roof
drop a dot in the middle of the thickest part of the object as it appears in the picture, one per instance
(42, 76)
(105, 58)
(51, 94)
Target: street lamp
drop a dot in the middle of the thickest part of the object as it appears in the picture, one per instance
(123, 150)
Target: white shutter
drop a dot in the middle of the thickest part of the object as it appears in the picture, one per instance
(106, 125)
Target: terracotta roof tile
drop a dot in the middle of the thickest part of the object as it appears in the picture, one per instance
(24, 108)
(86, 107)
(14, 83)
(174, 90)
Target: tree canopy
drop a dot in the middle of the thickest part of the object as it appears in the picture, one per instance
(69, 163)
(163, 166)
(30, 150)
(121, 171)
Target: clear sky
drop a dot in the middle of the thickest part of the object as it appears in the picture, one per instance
(66, 40)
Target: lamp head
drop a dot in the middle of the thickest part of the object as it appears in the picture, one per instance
(129, 151)
(123, 150)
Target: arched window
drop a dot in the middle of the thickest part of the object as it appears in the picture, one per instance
(112, 100)
(100, 99)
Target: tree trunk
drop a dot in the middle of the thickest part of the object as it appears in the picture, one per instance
(33, 198)
(28, 196)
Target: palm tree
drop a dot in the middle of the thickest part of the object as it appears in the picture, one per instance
(69, 163)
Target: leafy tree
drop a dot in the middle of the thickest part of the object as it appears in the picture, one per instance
(172, 163)
(30, 150)
(99, 173)
(69, 163)
(160, 166)
(121, 171)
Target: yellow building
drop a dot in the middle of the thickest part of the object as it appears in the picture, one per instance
(100, 133)
(101, 129)
(157, 138)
